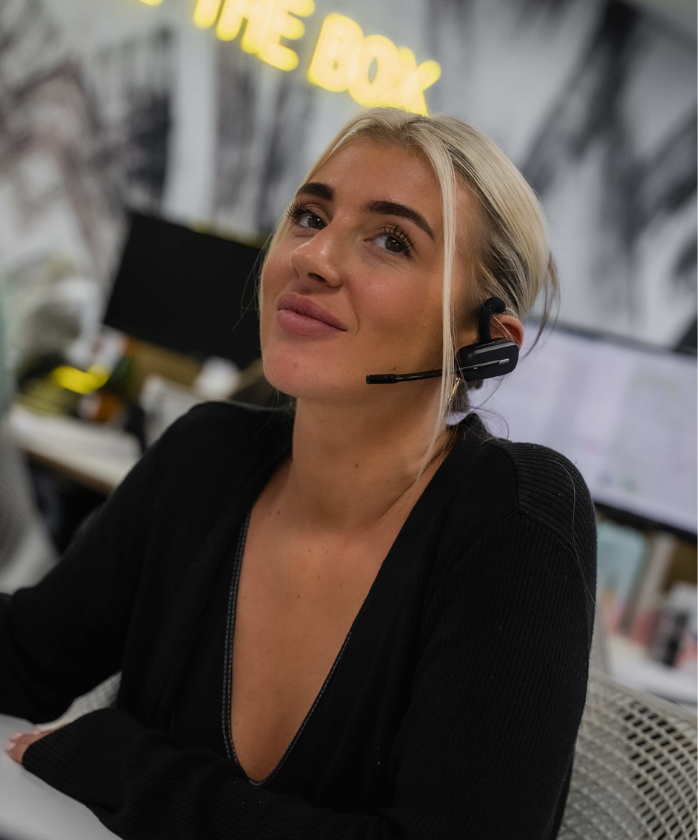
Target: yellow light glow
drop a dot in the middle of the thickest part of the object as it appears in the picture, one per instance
(80, 381)
(415, 80)
(267, 21)
(372, 69)
(206, 12)
(151, 2)
(340, 38)
(383, 88)
(234, 12)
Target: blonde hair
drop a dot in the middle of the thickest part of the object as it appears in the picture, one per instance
(512, 259)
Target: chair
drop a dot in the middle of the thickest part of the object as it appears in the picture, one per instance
(100, 697)
(634, 772)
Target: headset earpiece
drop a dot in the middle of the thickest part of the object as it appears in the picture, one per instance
(482, 360)
(487, 357)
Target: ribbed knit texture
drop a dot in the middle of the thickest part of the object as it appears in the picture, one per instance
(452, 713)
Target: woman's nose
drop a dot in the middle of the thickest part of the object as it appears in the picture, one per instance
(322, 258)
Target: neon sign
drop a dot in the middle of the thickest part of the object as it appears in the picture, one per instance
(267, 21)
(371, 68)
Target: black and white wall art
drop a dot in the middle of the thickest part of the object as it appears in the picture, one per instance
(119, 104)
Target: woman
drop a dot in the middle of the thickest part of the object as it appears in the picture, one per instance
(356, 622)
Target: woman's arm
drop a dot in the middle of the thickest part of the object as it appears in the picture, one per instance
(478, 755)
(63, 636)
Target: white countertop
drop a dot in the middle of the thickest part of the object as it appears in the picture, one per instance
(32, 810)
(96, 455)
(631, 666)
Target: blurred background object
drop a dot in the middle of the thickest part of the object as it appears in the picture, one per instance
(148, 150)
(26, 552)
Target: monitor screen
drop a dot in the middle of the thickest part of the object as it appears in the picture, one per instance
(188, 291)
(623, 412)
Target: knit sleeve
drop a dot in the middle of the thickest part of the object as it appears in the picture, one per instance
(487, 745)
(64, 635)
(480, 754)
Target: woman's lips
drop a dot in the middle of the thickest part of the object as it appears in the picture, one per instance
(301, 315)
(293, 322)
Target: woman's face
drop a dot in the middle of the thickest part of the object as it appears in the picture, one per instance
(365, 251)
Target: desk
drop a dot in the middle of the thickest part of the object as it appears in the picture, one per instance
(32, 810)
(631, 666)
(96, 456)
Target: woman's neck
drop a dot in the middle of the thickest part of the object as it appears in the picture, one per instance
(352, 471)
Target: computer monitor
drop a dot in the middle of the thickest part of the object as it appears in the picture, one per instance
(188, 291)
(622, 411)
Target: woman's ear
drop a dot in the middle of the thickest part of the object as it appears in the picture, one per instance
(507, 326)
(501, 326)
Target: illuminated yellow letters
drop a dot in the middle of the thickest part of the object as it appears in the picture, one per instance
(206, 12)
(267, 21)
(383, 90)
(372, 69)
(339, 39)
(415, 80)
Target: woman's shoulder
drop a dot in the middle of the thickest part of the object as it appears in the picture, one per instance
(517, 504)
(551, 489)
(527, 479)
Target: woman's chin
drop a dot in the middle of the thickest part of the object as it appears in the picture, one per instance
(308, 381)
(303, 389)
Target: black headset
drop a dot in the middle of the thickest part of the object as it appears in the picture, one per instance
(482, 360)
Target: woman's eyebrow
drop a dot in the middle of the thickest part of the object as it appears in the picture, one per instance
(318, 189)
(387, 208)
(390, 208)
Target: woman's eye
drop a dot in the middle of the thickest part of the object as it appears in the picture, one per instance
(303, 215)
(392, 243)
(310, 220)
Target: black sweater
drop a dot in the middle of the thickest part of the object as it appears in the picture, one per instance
(452, 712)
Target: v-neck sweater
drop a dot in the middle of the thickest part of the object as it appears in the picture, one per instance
(453, 710)
(201, 716)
